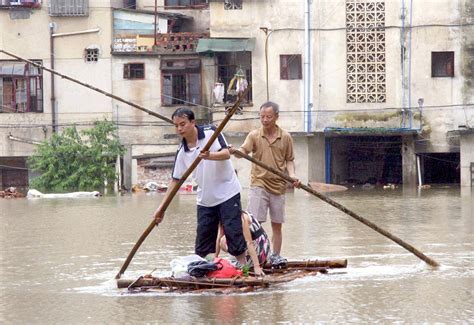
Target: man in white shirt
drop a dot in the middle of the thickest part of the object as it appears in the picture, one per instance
(218, 194)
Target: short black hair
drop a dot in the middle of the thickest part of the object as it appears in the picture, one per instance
(183, 112)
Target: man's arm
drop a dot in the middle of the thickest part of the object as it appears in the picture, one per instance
(223, 154)
(290, 166)
(232, 151)
(159, 215)
(244, 148)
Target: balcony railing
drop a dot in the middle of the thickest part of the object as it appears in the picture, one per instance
(168, 43)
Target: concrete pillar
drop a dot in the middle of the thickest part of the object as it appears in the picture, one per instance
(316, 158)
(127, 168)
(467, 157)
(409, 161)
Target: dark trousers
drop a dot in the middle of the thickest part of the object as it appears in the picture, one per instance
(229, 214)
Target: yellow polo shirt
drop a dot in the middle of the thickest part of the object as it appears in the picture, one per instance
(274, 154)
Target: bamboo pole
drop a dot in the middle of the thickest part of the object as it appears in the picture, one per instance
(175, 189)
(144, 109)
(326, 199)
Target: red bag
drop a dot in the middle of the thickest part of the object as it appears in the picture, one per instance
(226, 271)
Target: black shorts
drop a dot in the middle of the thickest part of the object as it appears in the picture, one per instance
(208, 218)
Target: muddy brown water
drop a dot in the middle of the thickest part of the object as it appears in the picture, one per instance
(58, 258)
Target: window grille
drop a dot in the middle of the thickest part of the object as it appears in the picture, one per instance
(365, 45)
(68, 7)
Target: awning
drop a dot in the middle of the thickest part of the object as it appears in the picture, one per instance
(225, 45)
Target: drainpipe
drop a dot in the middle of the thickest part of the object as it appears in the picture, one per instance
(307, 68)
(52, 27)
(327, 160)
(402, 48)
(155, 43)
(53, 98)
(418, 167)
(409, 57)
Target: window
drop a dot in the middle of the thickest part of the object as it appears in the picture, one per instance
(21, 87)
(185, 3)
(232, 4)
(134, 71)
(290, 67)
(92, 54)
(68, 7)
(181, 82)
(442, 64)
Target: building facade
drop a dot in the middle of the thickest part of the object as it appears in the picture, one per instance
(373, 91)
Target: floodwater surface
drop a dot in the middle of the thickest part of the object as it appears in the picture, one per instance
(59, 257)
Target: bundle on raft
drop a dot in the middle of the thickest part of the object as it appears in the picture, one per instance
(294, 270)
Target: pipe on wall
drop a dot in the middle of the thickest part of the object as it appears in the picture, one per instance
(53, 97)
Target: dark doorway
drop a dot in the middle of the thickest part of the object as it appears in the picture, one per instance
(13, 172)
(441, 168)
(366, 159)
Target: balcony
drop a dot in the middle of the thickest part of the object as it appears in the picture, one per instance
(167, 43)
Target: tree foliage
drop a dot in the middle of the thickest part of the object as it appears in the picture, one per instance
(76, 160)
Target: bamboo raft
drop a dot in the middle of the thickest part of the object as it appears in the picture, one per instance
(295, 270)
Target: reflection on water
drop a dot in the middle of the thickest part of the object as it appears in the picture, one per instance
(58, 259)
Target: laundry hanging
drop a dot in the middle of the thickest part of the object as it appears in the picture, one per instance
(219, 92)
(238, 83)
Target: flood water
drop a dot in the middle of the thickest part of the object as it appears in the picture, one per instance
(58, 259)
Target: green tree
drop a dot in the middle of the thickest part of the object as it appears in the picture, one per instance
(76, 160)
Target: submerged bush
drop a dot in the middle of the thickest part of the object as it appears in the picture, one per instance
(75, 160)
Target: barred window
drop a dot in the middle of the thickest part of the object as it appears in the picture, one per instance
(290, 67)
(365, 44)
(181, 82)
(21, 87)
(68, 7)
(185, 3)
(134, 71)
(442, 64)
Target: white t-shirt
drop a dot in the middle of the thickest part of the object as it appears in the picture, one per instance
(216, 179)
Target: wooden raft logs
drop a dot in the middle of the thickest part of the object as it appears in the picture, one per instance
(296, 269)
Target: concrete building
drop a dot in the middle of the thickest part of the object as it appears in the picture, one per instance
(389, 81)
(371, 90)
(74, 39)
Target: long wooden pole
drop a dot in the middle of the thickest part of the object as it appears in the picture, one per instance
(144, 109)
(175, 189)
(366, 222)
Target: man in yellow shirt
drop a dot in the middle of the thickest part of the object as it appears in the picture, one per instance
(273, 146)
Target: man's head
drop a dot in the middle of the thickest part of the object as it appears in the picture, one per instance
(184, 122)
(269, 114)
